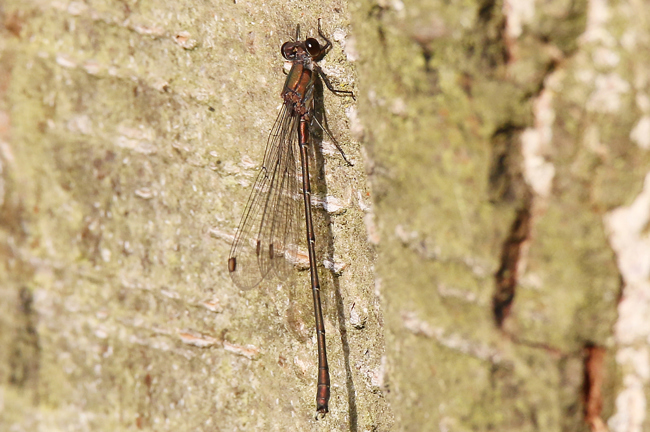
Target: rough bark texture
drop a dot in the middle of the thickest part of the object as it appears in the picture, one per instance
(507, 140)
(132, 131)
(507, 147)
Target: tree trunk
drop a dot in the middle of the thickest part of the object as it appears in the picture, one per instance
(509, 145)
(500, 244)
(133, 132)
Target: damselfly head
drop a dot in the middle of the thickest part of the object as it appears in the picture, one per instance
(292, 50)
(289, 51)
(313, 47)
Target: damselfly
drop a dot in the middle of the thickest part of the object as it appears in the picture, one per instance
(266, 241)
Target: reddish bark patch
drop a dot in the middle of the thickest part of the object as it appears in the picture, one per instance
(593, 383)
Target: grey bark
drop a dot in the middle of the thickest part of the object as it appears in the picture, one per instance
(506, 145)
(509, 145)
(134, 131)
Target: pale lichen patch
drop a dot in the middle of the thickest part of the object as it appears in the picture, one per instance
(627, 229)
(536, 142)
(518, 14)
(641, 133)
(606, 97)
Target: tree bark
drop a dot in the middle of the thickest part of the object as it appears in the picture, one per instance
(500, 243)
(132, 132)
(509, 144)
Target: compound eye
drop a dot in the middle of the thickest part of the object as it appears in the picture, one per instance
(313, 47)
(288, 51)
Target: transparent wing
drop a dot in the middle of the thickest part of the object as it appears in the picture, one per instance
(268, 234)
